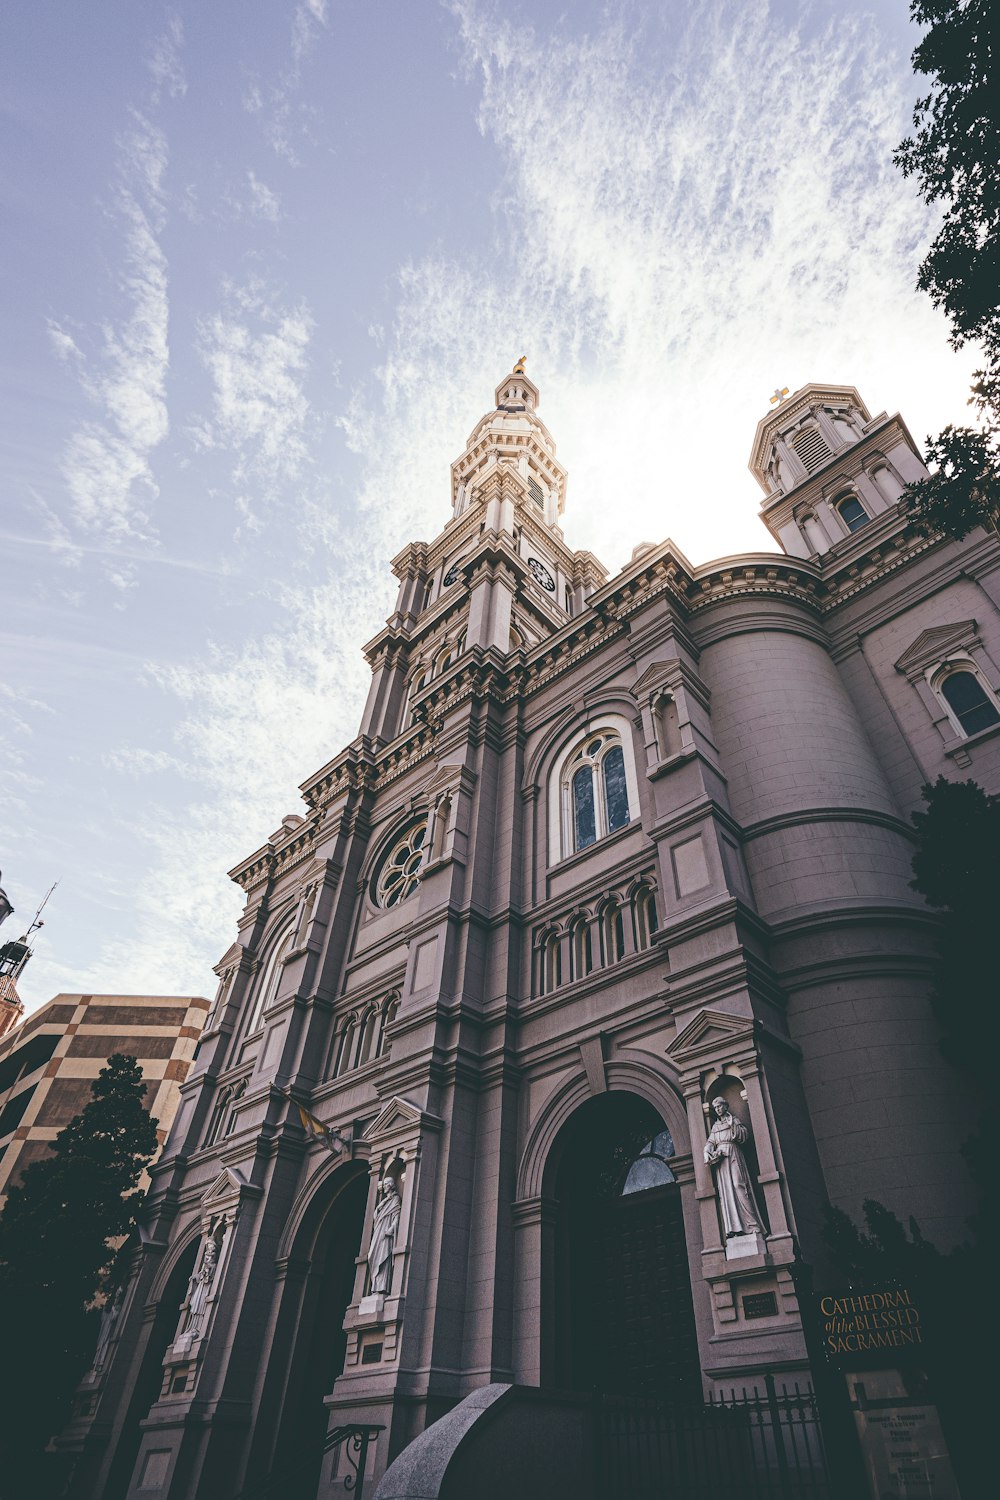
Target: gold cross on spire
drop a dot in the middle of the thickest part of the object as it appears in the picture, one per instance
(519, 367)
(779, 395)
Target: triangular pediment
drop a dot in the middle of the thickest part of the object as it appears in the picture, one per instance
(229, 959)
(655, 674)
(710, 1030)
(399, 1117)
(230, 1184)
(932, 646)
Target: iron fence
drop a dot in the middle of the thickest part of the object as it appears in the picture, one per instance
(761, 1446)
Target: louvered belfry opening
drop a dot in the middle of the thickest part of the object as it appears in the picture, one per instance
(812, 448)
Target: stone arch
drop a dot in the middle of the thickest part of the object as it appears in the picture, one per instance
(310, 1194)
(618, 1196)
(627, 1073)
(174, 1254)
(539, 763)
(394, 823)
(316, 1281)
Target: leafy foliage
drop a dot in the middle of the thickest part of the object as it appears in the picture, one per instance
(957, 869)
(953, 155)
(58, 1233)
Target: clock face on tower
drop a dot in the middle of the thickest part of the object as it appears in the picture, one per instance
(542, 574)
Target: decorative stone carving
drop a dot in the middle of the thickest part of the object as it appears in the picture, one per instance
(733, 1185)
(385, 1226)
(199, 1290)
(110, 1314)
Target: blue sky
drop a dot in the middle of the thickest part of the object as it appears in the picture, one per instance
(264, 262)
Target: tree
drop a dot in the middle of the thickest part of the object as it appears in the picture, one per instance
(953, 155)
(58, 1236)
(957, 869)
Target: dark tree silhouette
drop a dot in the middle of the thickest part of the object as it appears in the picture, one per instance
(953, 156)
(58, 1235)
(957, 868)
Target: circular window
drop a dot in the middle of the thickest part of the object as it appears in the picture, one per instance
(400, 869)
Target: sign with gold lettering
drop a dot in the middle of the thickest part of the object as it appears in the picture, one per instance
(873, 1328)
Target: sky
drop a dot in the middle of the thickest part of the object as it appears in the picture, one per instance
(264, 262)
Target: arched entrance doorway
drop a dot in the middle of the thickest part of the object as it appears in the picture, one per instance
(317, 1358)
(624, 1318)
(149, 1381)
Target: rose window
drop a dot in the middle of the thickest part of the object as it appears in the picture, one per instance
(401, 867)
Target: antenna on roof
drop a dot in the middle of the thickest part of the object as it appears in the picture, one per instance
(36, 920)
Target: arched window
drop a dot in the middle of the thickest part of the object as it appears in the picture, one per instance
(812, 449)
(366, 1035)
(612, 934)
(218, 1114)
(267, 988)
(345, 1047)
(643, 916)
(592, 786)
(972, 708)
(888, 485)
(238, 1090)
(598, 794)
(550, 954)
(581, 948)
(400, 868)
(390, 1010)
(852, 513)
(416, 686)
(650, 1169)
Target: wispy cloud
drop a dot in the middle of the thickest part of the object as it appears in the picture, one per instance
(286, 119)
(107, 465)
(165, 63)
(727, 222)
(256, 352)
(262, 200)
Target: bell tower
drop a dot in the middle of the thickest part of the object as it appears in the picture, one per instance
(828, 467)
(513, 436)
(499, 579)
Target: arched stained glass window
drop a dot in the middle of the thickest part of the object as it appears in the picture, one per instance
(596, 791)
(615, 791)
(584, 812)
(969, 703)
(400, 869)
(650, 1169)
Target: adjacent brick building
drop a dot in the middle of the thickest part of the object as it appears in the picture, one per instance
(610, 862)
(48, 1062)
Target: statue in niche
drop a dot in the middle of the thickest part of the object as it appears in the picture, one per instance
(110, 1313)
(733, 1186)
(200, 1288)
(385, 1227)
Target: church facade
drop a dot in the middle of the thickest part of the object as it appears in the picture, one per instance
(591, 973)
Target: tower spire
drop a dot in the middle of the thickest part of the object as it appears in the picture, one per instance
(514, 436)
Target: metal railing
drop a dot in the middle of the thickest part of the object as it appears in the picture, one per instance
(761, 1446)
(354, 1440)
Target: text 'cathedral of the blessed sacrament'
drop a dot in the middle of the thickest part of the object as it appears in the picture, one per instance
(590, 975)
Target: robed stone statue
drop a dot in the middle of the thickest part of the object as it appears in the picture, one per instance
(200, 1289)
(733, 1186)
(385, 1226)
